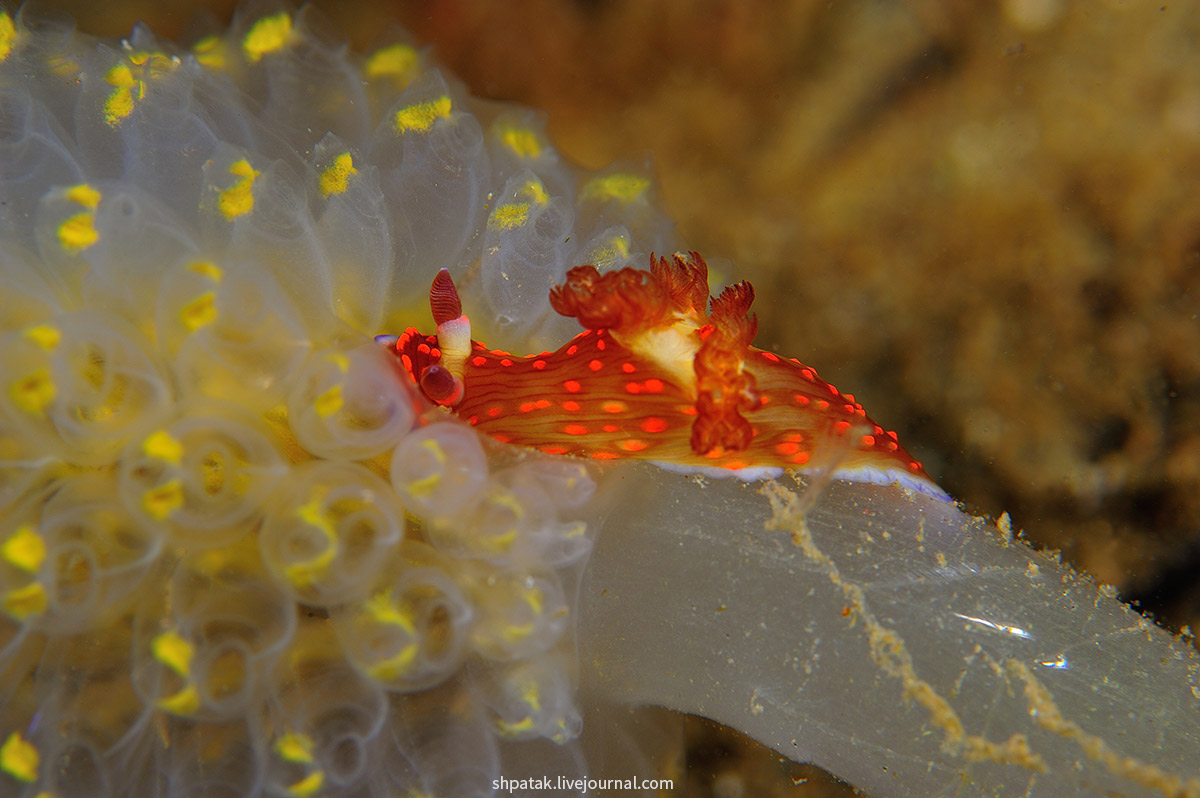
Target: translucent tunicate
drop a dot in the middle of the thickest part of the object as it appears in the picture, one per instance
(354, 232)
(518, 142)
(135, 236)
(260, 208)
(525, 252)
(222, 760)
(440, 470)
(623, 195)
(80, 386)
(35, 159)
(426, 735)
(411, 631)
(351, 405)
(207, 653)
(434, 171)
(73, 556)
(514, 522)
(306, 83)
(206, 474)
(228, 331)
(89, 733)
(328, 531)
(531, 698)
(518, 615)
(324, 716)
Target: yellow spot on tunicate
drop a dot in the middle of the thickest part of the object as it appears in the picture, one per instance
(512, 729)
(18, 758)
(238, 199)
(120, 103)
(309, 785)
(329, 402)
(163, 446)
(336, 178)
(160, 502)
(382, 609)
(185, 702)
(209, 52)
(523, 142)
(536, 192)
(8, 34)
(424, 486)
(199, 312)
(532, 695)
(397, 60)
(266, 36)
(620, 186)
(77, 233)
(208, 269)
(25, 549)
(295, 747)
(421, 116)
(338, 359)
(610, 253)
(173, 651)
(533, 597)
(303, 574)
(84, 195)
(507, 217)
(34, 392)
(25, 602)
(46, 336)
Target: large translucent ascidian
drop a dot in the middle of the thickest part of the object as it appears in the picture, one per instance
(239, 552)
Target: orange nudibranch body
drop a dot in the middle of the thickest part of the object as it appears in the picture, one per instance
(661, 373)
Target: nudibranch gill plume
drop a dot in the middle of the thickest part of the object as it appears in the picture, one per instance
(662, 372)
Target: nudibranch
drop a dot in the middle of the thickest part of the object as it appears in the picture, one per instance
(662, 372)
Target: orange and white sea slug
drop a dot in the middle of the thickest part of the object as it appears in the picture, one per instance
(663, 372)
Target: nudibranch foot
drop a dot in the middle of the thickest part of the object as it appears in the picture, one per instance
(664, 373)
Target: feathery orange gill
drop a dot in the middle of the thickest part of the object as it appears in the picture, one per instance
(663, 372)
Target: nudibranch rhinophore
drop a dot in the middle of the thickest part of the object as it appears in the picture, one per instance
(662, 372)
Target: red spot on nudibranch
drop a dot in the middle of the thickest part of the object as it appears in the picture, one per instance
(604, 455)
(654, 385)
(570, 406)
(554, 449)
(595, 365)
(600, 344)
(787, 448)
(527, 407)
(506, 362)
(610, 428)
(572, 386)
(614, 407)
(494, 411)
(633, 388)
(628, 368)
(771, 357)
(575, 429)
(654, 424)
(841, 426)
(539, 364)
(868, 440)
(634, 445)
(572, 349)
(478, 360)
